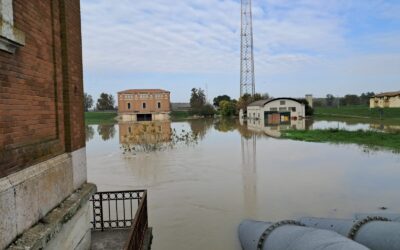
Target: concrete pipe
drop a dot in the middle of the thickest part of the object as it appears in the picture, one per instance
(376, 233)
(390, 216)
(290, 235)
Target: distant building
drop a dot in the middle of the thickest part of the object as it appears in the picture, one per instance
(385, 100)
(144, 104)
(276, 111)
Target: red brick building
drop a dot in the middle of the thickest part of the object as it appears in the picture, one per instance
(42, 141)
(144, 104)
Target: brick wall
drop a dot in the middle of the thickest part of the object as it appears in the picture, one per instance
(41, 86)
(151, 103)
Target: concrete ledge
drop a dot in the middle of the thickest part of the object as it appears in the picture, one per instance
(79, 170)
(35, 170)
(40, 235)
(30, 194)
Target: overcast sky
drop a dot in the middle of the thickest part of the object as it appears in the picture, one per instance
(301, 46)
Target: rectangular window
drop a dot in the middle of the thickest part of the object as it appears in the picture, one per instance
(10, 37)
(282, 109)
(159, 105)
(144, 105)
(283, 102)
(293, 109)
(129, 105)
(273, 109)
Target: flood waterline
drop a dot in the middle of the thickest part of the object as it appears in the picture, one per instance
(200, 191)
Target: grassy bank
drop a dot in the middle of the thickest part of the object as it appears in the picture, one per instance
(366, 138)
(100, 117)
(179, 115)
(388, 114)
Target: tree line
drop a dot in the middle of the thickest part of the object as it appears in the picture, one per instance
(347, 100)
(104, 102)
(226, 106)
(223, 105)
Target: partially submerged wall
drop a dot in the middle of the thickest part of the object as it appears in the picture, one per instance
(42, 140)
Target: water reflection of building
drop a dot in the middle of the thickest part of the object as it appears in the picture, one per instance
(275, 130)
(144, 132)
(385, 127)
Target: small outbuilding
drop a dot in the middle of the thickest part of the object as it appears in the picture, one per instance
(385, 100)
(276, 111)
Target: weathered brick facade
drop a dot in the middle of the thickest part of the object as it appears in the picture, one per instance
(41, 86)
(144, 101)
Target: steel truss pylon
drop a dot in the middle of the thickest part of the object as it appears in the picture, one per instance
(247, 78)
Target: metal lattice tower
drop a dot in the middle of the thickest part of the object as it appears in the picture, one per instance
(247, 79)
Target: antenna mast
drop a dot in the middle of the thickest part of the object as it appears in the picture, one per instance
(247, 78)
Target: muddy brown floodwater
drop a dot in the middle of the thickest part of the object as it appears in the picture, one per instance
(199, 193)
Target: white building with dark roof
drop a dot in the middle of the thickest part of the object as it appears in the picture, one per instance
(276, 111)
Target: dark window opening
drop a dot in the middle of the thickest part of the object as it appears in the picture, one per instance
(144, 117)
(159, 105)
(144, 105)
(129, 106)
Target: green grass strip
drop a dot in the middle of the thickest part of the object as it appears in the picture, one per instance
(178, 115)
(386, 114)
(100, 117)
(370, 139)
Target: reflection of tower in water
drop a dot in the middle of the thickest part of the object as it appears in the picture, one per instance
(249, 174)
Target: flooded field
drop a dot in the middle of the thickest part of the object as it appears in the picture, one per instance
(202, 184)
(355, 124)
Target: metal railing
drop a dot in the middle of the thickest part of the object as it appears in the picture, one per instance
(139, 228)
(121, 210)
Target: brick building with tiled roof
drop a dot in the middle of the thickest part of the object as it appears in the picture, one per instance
(144, 104)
